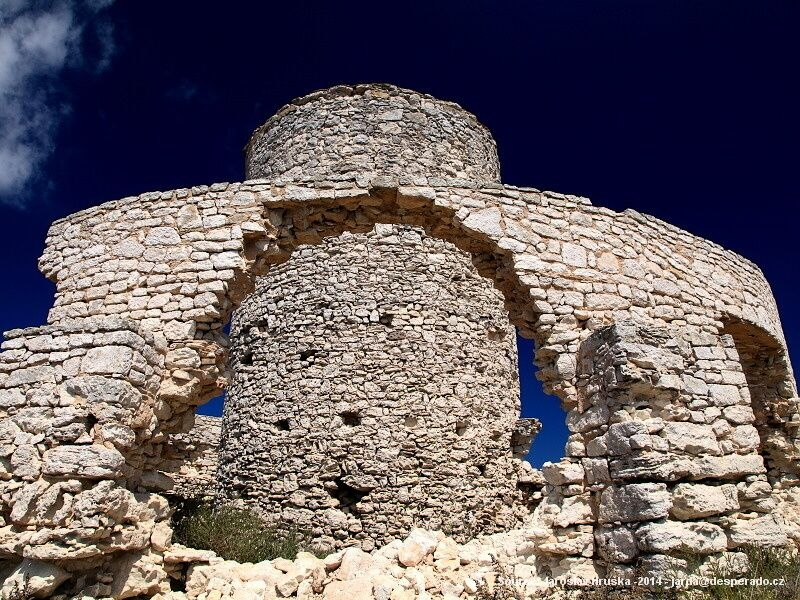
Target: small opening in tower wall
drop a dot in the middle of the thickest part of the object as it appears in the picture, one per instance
(350, 418)
(246, 359)
(308, 354)
(410, 421)
(347, 495)
(282, 424)
(461, 428)
(386, 319)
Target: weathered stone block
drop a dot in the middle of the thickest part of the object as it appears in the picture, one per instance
(766, 531)
(695, 500)
(89, 462)
(691, 438)
(634, 502)
(674, 537)
(112, 360)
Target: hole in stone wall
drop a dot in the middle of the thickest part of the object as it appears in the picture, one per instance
(247, 359)
(347, 495)
(482, 470)
(410, 421)
(308, 354)
(212, 408)
(282, 424)
(350, 418)
(386, 319)
(461, 428)
(550, 442)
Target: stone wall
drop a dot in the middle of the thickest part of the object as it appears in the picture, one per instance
(194, 458)
(663, 347)
(369, 130)
(393, 402)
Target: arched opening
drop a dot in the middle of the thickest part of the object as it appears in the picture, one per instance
(773, 398)
(290, 227)
(351, 494)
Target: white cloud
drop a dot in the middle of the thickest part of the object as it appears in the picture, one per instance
(38, 41)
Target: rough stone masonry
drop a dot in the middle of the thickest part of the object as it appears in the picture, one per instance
(665, 350)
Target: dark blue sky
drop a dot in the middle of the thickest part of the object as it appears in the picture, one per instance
(686, 110)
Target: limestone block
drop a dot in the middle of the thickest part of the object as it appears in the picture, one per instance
(618, 437)
(128, 248)
(661, 566)
(634, 502)
(486, 221)
(26, 463)
(766, 531)
(358, 588)
(136, 575)
(416, 547)
(695, 500)
(162, 236)
(88, 462)
(739, 414)
(355, 562)
(43, 578)
(178, 553)
(616, 544)
(575, 510)
(745, 438)
(573, 543)
(727, 467)
(724, 395)
(11, 398)
(675, 537)
(305, 567)
(563, 473)
(41, 374)
(113, 360)
(590, 419)
(691, 438)
(575, 570)
(106, 399)
(596, 470)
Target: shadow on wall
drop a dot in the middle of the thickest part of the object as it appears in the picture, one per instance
(548, 444)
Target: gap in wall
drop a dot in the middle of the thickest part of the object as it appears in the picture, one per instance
(549, 443)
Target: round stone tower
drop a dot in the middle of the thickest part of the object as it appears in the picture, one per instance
(375, 383)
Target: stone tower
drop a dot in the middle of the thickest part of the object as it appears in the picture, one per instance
(375, 382)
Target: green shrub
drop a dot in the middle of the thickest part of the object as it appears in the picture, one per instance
(235, 534)
(768, 564)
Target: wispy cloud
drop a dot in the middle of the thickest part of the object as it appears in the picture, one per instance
(39, 40)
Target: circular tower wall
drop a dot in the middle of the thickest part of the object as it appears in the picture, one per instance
(375, 389)
(375, 383)
(368, 130)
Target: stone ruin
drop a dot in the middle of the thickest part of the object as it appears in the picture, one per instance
(378, 270)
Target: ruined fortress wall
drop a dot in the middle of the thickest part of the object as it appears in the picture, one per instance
(394, 399)
(665, 349)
